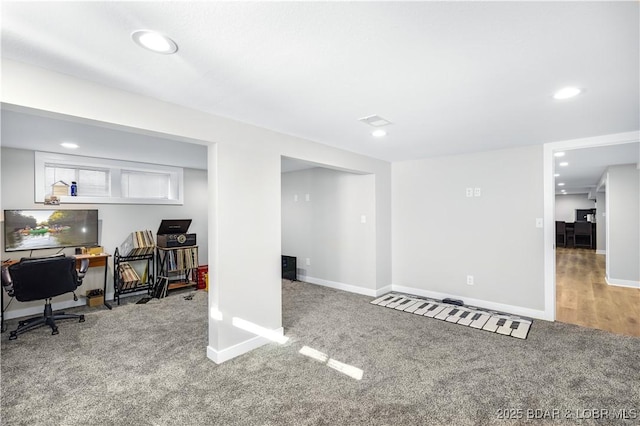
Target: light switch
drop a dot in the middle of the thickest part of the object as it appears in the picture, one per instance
(363, 219)
(295, 198)
(307, 197)
(539, 222)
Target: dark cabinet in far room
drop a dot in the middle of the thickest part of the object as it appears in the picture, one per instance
(289, 268)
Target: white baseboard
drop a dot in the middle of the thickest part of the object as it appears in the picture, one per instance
(38, 310)
(511, 309)
(340, 286)
(56, 306)
(383, 290)
(622, 283)
(220, 356)
(601, 252)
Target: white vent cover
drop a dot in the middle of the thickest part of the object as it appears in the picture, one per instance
(375, 121)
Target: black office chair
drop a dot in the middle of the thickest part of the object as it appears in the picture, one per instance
(583, 234)
(43, 278)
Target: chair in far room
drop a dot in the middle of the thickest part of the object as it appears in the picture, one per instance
(583, 234)
(561, 234)
(42, 278)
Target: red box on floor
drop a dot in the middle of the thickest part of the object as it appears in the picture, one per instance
(203, 270)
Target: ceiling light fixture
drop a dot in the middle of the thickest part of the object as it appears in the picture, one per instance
(375, 121)
(155, 42)
(69, 145)
(564, 164)
(566, 93)
(559, 154)
(379, 133)
(561, 184)
(556, 175)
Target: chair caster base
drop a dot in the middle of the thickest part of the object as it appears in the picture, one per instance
(55, 331)
(13, 335)
(81, 318)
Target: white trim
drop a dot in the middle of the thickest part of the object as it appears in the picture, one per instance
(341, 286)
(511, 309)
(38, 310)
(549, 204)
(601, 252)
(383, 290)
(220, 356)
(56, 306)
(622, 283)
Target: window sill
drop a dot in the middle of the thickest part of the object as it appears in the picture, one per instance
(66, 199)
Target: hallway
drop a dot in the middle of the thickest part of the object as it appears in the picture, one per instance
(584, 298)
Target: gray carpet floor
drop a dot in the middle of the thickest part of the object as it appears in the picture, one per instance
(146, 365)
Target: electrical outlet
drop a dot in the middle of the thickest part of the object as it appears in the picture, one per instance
(308, 261)
(363, 219)
(477, 192)
(469, 279)
(469, 192)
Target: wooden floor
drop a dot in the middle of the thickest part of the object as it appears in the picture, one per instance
(584, 298)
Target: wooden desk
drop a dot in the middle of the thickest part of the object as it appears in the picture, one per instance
(95, 260)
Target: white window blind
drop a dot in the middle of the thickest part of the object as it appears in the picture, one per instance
(146, 185)
(93, 182)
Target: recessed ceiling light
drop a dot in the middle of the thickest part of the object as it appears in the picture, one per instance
(379, 133)
(563, 192)
(566, 93)
(556, 175)
(155, 41)
(69, 145)
(564, 164)
(559, 154)
(561, 184)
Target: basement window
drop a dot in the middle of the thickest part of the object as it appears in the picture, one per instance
(106, 181)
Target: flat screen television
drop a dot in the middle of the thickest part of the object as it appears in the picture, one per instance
(49, 229)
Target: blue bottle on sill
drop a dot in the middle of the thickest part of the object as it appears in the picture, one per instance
(74, 189)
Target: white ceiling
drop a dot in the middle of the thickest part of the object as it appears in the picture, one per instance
(453, 77)
(25, 129)
(587, 165)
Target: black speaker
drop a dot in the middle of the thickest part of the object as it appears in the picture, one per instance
(289, 268)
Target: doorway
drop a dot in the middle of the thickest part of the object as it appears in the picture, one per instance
(579, 292)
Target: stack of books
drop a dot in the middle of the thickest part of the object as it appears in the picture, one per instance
(183, 258)
(138, 243)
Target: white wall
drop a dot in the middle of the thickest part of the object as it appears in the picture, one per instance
(601, 228)
(623, 252)
(327, 228)
(116, 220)
(440, 236)
(566, 206)
(244, 192)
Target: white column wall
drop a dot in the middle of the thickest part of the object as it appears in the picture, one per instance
(623, 252)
